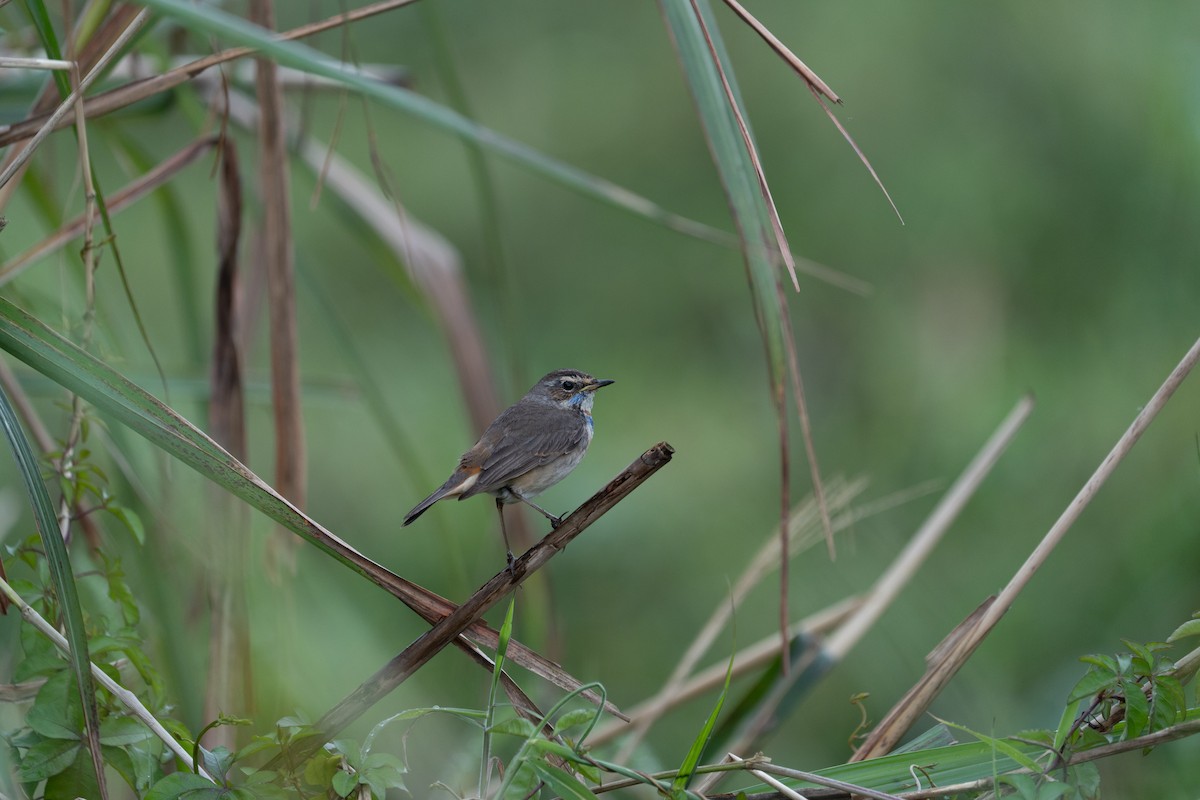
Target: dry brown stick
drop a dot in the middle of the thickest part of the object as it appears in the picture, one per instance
(135, 91)
(783, 52)
(279, 263)
(230, 680)
(444, 632)
(946, 665)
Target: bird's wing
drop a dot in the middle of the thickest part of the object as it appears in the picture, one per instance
(515, 444)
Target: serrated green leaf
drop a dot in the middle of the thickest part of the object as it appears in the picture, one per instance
(57, 712)
(1137, 709)
(77, 780)
(46, 758)
(1092, 683)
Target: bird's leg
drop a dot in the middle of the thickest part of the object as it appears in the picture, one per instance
(504, 532)
(554, 521)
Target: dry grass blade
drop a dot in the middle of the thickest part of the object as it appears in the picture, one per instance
(906, 564)
(858, 151)
(782, 50)
(810, 448)
(227, 410)
(443, 633)
(18, 161)
(781, 244)
(127, 196)
(801, 531)
(901, 571)
(279, 263)
(136, 91)
(89, 53)
(749, 658)
(941, 671)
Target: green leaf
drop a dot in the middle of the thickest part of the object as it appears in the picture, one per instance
(47, 757)
(561, 782)
(515, 726)
(320, 769)
(1137, 709)
(123, 731)
(1187, 629)
(344, 783)
(184, 786)
(77, 780)
(575, 718)
(217, 761)
(128, 518)
(57, 712)
(523, 782)
(1092, 683)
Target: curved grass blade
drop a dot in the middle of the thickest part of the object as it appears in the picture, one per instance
(63, 578)
(207, 19)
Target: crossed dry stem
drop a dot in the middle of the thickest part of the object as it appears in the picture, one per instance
(451, 625)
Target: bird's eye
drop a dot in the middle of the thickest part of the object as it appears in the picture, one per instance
(569, 385)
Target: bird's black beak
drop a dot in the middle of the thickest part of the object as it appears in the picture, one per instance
(598, 384)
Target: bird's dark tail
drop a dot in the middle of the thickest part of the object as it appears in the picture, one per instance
(423, 506)
(458, 483)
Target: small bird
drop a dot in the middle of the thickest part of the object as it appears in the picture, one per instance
(531, 446)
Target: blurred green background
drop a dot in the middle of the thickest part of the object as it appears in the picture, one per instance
(1045, 162)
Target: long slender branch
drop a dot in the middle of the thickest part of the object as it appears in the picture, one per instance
(444, 632)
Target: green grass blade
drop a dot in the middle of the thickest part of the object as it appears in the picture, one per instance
(63, 362)
(687, 770)
(485, 768)
(734, 164)
(208, 19)
(62, 576)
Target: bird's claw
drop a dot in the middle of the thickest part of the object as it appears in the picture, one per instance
(555, 522)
